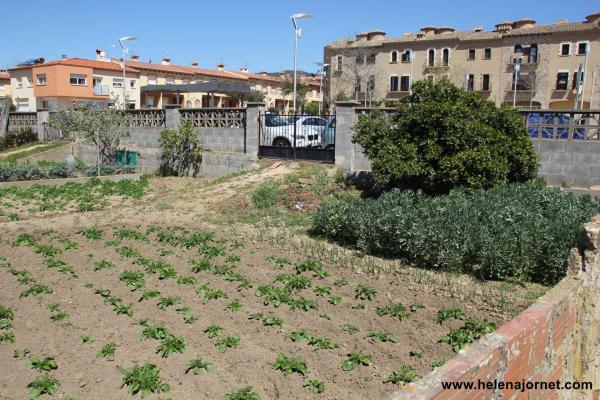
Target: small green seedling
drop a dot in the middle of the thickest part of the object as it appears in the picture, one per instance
(213, 330)
(404, 375)
(168, 301)
(104, 264)
(86, 339)
(213, 294)
(416, 353)
(186, 280)
(447, 313)
(234, 305)
(471, 331)
(59, 315)
(395, 310)
(322, 291)
(144, 380)
(416, 306)
(290, 364)
(242, 394)
(364, 292)
(134, 279)
(5, 324)
(341, 282)
(322, 343)
(169, 345)
(6, 313)
(153, 331)
(273, 321)
(121, 308)
(382, 336)
(315, 385)
(355, 359)
(92, 234)
(7, 337)
(350, 328)
(149, 294)
(43, 384)
(226, 342)
(108, 351)
(196, 366)
(335, 299)
(46, 364)
(36, 290)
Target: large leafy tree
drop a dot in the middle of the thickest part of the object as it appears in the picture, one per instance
(102, 128)
(442, 137)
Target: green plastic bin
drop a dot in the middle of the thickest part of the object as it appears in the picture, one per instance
(125, 157)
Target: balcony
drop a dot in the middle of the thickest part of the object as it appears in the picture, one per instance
(436, 67)
(101, 90)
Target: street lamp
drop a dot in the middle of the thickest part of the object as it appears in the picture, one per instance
(322, 71)
(125, 51)
(298, 33)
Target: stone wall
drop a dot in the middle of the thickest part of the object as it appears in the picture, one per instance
(556, 338)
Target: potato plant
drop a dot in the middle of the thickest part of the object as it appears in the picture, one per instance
(171, 344)
(403, 375)
(197, 365)
(144, 380)
(43, 384)
(228, 342)
(290, 364)
(315, 385)
(356, 359)
(108, 351)
(245, 393)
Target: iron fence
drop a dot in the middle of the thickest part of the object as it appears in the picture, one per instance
(562, 124)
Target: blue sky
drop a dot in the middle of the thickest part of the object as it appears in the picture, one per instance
(237, 32)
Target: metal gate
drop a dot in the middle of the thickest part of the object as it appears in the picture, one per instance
(297, 137)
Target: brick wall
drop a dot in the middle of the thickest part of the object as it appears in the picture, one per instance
(558, 337)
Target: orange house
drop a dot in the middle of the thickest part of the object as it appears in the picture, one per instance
(75, 82)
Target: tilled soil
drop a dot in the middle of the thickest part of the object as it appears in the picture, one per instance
(83, 375)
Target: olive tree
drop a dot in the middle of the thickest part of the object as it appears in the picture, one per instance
(181, 151)
(102, 128)
(442, 137)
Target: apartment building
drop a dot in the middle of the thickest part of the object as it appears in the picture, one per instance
(73, 82)
(5, 84)
(519, 62)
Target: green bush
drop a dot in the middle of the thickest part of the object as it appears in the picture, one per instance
(521, 231)
(10, 172)
(107, 169)
(181, 151)
(265, 196)
(443, 137)
(17, 137)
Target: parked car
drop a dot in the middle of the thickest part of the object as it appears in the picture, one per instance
(279, 130)
(328, 140)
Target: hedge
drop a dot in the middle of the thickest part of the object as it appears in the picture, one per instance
(520, 231)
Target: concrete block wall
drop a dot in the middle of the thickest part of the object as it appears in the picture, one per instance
(556, 338)
(572, 163)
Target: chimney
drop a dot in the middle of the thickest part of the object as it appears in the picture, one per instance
(166, 61)
(561, 21)
(376, 34)
(478, 29)
(428, 30)
(100, 55)
(135, 57)
(64, 57)
(361, 37)
(593, 18)
(220, 67)
(504, 26)
(244, 69)
(443, 30)
(194, 63)
(524, 23)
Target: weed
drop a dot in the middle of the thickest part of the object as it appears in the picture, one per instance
(289, 365)
(59, 315)
(196, 366)
(213, 330)
(416, 353)
(279, 262)
(468, 333)
(8, 337)
(302, 304)
(313, 266)
(265, 196)
(186, 280)
(149, 294)
(382, 336)
(341, 282)
(242, 394)
(168, 301)
(213, 294)
(108, 351)
(355, 359)
(447, 313)
(145, 380)
(438, 363)
(322, 343)
(234, 305)
(322, 291)
(404, 375)
(231, 341)
(273, 321)
(121, 308)
(43, 384)
(171, 344)
(5, 324)
(92, 234)
(359, 306)
(395, 310)
(6, 313)
(43, 365)
(350, 328)
(24, 240)
(190, 318)
(134, 279)
(256, 317)
(364, 292)
(315, 385)
(335, 299)
(100, 265)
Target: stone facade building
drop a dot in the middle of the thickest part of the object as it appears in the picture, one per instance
(371, 67)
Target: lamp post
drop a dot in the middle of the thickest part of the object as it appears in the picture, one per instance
(297, 34)
(517, 69)
(323, 66)
(125, 51)
(412, 57)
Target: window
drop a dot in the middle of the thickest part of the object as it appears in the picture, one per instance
(371, 83)
(445, 57)
(169, 80)
(197, 103)
(532, 54)
(405, 83)
(78, 80)
(485, 82)
(357, 85)
(187, 82)
(393, 83)
(429, 77)
(41, 80)
(45, 104)
(117, 82)
(562, 81)
(406, 56)
(471, 55)
(487, 53)
(315, 122)
(96, 81)
(565, 49)
(188, 104)
(19, 83)
(394, 57)
(430, 57)
(582, 48)
(518, 48)
(360, 59)
(338, 63)
(371, 58)
(574, 84)
(152, 80)
(470, 82)
(132, 83)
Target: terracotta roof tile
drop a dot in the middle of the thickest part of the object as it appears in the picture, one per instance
(4, 76)
(80, 62)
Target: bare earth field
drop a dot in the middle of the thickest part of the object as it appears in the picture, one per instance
(177, 260)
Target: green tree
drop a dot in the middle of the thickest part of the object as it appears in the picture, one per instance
(443, 137)
(301, 91)
(251, 96)
(181, 151)
(312, 108)
(102, 128)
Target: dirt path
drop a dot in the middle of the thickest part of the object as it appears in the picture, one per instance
(21, 150)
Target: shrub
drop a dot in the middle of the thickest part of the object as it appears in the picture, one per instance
(17, 137)
(522, 231)
(107, 169)
(265, 196)
(181, 151)
(443, 137)
(10, 172)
